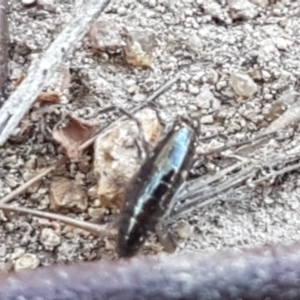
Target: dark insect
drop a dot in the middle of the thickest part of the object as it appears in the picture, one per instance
(148, 196)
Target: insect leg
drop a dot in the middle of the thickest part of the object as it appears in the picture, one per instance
(165, 238)
(145, 145)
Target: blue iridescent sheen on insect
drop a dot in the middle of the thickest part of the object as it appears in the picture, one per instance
(181, 145)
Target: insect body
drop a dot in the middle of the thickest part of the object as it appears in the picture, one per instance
(148, 196)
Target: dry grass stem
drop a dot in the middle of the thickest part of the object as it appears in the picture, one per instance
(4, 38)
(98, 230)
(207, 190)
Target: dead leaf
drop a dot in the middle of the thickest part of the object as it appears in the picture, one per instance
(19, 81)
(48, 98)
(76, 133)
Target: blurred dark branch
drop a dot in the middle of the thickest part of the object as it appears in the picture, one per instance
(263, 273)
(4, 38)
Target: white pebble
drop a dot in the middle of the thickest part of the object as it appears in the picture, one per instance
(194, 90)
(152, 3)
(185, 230)
(28, 2)
(243, 85)
(209, 119)
(27, 261)
(49, 238)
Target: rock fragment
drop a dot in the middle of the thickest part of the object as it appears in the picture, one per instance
(243, 85)
(139, 48)
(65, 194)
(28, 2)
(26, 261)
(117, 156)
(242, 10)
(106, 35)
(49, 238)
(184, 230)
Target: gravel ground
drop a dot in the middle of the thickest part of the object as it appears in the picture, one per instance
(238, 59)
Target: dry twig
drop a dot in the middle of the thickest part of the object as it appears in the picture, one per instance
(253, 274)
(249, 143)
(98, 230)
(202, 182)
(21, 189)
(276, 173)
(206, 195)
(204, 191)
(4, 38)
(21, 100)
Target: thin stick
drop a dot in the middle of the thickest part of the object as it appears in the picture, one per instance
(193, 188)
(4, 38)
(214, 196)
(251, 141)
(163, 88)
(276, 173)
(203, 182)
(206, 194)
(40, 74)
(21, 189)
(98, 230)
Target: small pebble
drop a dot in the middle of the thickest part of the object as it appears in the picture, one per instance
(121, 11)
(2, 250)
(268, 200)
(265, 75)
(139, 48)
(18, 252)
(66, 194)
(48, 5)
(96, 212)
(261, 3)
(152, 3)
(282, 44)
(133, 89)
(205, 98)
(185, 230)
(209, 119)
(27, 261)
(268, 52)
(105, 35)
(49, 238)
(243, 85)
(28, 2)
(243, 10)
(194, 90)
(268, 96)
(139, 98)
